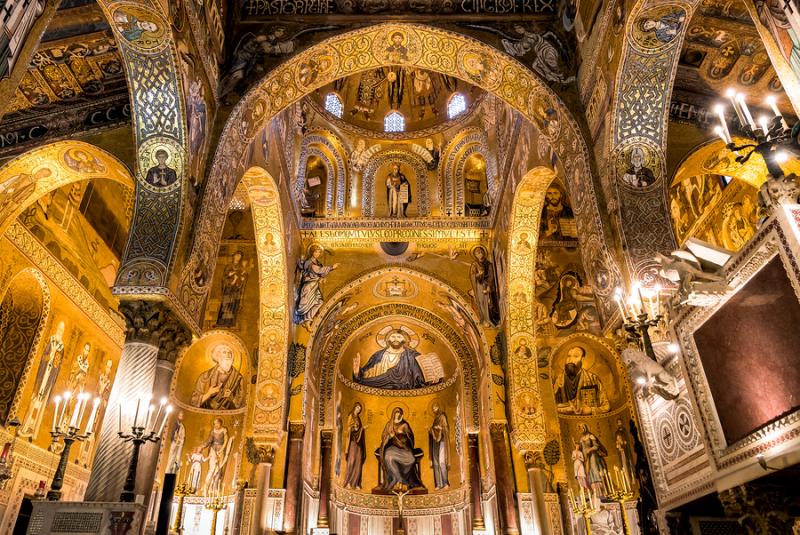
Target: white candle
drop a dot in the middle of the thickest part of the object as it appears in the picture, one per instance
(55, 413)
(67, 396)
(731, 94)
(746, 110)
(160, 408)
(149, 417)
(772, 103)
(726, 135)
(82, 399)
(164, 420)
(720, 134)
(120, 418)
(73, 422)
(90, 424)
(136, 414)
(763, 121)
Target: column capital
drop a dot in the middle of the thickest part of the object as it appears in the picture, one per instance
(154, 323)
(497, 428)
(258, 453)
(296, 430)
(326, 438)
(533, 459)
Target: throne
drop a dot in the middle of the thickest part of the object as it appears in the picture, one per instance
(418, 454)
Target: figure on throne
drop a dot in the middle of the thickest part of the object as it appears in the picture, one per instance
(398, 456)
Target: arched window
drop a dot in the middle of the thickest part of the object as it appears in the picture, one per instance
(333, 104)
(456, 105)
(394, 122)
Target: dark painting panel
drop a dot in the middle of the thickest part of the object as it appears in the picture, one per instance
(749, 351)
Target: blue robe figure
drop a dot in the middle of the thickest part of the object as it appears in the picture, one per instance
(394, 367)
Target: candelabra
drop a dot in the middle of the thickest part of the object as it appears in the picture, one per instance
(586, 505)
(771, 138)
(147, 430)
(69, 434)
(215, 504)
(181, 491)
(620, 491)
(7, 457)
(642, 314)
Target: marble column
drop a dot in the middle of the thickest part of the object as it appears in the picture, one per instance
(238, 506)
(536, 484)
(473, 443)
(153, 334)
(260, 456)
(294, 463)
(326, 445)
(148, 457)
(504, 478)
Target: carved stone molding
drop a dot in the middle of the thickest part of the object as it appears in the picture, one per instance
(152, 322)
(296, 430)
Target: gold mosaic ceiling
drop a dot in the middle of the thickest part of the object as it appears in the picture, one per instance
(420, 95)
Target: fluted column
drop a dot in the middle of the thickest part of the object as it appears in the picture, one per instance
(293, 477)
(326, 444)
(504, 476)
(153, 334)
(536, 478)
(260, 456)
(475, 481)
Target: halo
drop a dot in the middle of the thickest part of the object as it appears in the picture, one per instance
(397, 404)
(312, 247)
(237, 355)
(479, 246)
(413, 338)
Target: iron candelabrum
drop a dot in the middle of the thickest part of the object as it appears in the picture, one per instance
(144, 429)
(69, 433)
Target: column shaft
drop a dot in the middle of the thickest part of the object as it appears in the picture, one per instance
(323, 519)
(475, 481)
(263, 472)
(293, 477)
(536, 484)
(148, 458)
(504, 478)
(135, 375)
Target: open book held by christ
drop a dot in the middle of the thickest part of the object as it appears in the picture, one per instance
(432, 368)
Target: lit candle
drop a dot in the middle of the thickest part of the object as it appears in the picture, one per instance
(73, 422)
(67, 396)
(625, 481)
(746, 111)
(120, 418)
(731, 94)
(164, 420)
(583, 497)
(160, 408)
(721, 134)
(149, 417)
(136, 414)
(609, 484)
(726, 134)
(764, 124)
(772, 103)
(55, 413)
(90, 424)
(82, 399)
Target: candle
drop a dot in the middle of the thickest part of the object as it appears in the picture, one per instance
(726, 134)
(746, 111)
(67, 396)
(632, 306)
(82, 399)
(73, 422)
(625, 481)
(55, 414)
(120, 418)
(136, 414)
(583, 497)
(764, 124)
(731, 94)
(149, 417)
(164, 420)
(772, 103)
(618, 299)
(160, 408)
(90, 424)
(721, 134)
(608, 481)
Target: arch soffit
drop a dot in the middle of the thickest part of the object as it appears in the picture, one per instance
(389, 156)
(360, 50)
(713, 158)
(33, 174)
(467, 366)
(269, 406)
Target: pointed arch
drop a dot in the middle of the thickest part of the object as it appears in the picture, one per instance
(471, 140)
(269, 408)
(389, 156)
(33, 174)
(331, 150)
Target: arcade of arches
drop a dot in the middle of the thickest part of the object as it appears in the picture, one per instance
(408, 267)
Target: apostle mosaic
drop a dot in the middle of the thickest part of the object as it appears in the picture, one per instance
(161, 175)
(220, 387)
(397, 365)
(578, 390)
(397, 50)
(484, 287)
(439, 448)
(46, 375)
(637, 175)
(218, 444)
(398, 456)
(398, 192)
(355, 451)
(177, 437)
(557, 220)
(234, 278)
(79, 371)
(309, 274)
(594, 453)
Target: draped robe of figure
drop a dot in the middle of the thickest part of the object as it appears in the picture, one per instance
(397, 455)
(398, 205)
(439, 447)
(484, 286)
(392, 370)
(594, 452)
(309, 299)
(178, 437)
(46, 376)
(218, 448)
(355, 452)
(230, 394)
(233, 281)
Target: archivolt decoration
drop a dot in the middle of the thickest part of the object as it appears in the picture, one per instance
(467, 142)
(35, 173)
(388, 157)
(145, 41)
(363, 49)
(331, 352)
(714, 158)
(268, 411)
(644, 84)
(330, 149)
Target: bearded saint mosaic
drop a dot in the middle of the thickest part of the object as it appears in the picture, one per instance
(398, 365)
